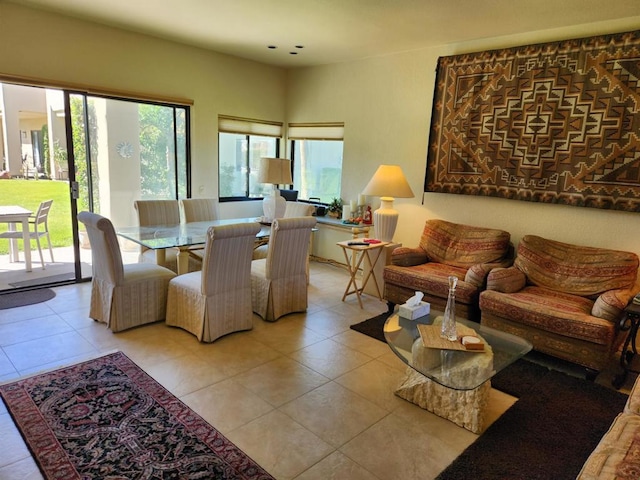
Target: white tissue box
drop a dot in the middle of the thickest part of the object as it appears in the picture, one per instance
(413, 312)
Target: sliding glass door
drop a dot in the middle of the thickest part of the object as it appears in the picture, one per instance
(86, 152)
(122, 151)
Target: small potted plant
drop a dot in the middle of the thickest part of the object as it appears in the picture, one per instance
(335, 208)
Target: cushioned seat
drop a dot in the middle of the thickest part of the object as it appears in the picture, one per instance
(122, 296)
(217, 300)
(445, 249)
(279, 281)
(567, 300)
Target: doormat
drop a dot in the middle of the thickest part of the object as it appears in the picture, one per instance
(43, 280)
(27, 297)
(106, 418)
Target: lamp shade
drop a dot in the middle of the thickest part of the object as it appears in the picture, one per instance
(388, 181)
(275, 170)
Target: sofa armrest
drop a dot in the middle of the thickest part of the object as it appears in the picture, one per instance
(477, 274)
(408, 257)
(610, 304)
(506, 280)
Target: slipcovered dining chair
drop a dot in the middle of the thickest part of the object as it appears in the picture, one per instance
(199, 209)
(279, 281)
(217, 300)
(122, 296)
(292, 210)
(161, 212)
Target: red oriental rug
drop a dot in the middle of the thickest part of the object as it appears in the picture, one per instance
(106, 418)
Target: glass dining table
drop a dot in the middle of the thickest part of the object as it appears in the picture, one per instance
(183, 236)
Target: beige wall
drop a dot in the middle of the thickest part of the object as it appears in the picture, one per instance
(38, 44)
(385, 103)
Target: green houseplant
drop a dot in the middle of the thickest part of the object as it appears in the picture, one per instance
(335, 208)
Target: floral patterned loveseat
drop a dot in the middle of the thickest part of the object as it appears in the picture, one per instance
(446, 248)
(567, 300)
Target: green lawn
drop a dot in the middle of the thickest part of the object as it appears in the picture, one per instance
(29, 194)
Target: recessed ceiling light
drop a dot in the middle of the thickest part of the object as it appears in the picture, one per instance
(293, 53)
(299, 46)
(272, 47)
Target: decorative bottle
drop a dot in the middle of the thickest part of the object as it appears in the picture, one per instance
(449, 321)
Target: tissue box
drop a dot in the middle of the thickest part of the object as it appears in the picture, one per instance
(406, 311)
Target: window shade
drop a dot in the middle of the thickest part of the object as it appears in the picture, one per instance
(249, 126)
(316, 131)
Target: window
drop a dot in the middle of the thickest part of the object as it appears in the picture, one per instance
(241, 143)
(317, 159)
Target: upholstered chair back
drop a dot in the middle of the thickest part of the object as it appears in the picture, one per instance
(289, 247)
(199, 209)
(463, 245)
(106, 258)
(574, 269)
(226, 265)
(298, 209)
(157, 212)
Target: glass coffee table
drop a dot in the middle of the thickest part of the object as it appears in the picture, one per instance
(454, 384)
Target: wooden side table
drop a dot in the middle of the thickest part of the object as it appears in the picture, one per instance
(354, 256)
(630, 323)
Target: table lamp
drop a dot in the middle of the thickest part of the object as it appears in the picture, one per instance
(276, 171)
(388, 182)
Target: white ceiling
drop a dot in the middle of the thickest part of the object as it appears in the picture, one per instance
(333, 31)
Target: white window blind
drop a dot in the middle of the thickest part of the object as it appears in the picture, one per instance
(249, 126)
(316, 131)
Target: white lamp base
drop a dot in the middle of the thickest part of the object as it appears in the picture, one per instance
(274, 205)
(385, 220)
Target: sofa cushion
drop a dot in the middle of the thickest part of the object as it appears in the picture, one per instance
(575, 269)
(560, 313)
(432, 278)
(463, 245)
(616, 456)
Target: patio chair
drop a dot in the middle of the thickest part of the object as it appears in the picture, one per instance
(38, 227)
(279, 282)
(217, 300)
(122, 296)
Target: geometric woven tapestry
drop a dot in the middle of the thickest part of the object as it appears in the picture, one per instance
(555, 123)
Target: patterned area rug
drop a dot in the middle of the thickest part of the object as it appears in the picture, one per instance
(546, 435)
(106, 418)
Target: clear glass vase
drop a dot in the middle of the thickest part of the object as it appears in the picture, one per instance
(449, 321)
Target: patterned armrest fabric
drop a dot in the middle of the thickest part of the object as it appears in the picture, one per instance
(463, 245)
(610, 304)
(506, 280)
(408, 257)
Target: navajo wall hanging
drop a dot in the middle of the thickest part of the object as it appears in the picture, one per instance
(555, 123)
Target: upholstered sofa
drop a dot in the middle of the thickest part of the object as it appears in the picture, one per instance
(466, 252)
(616, 455)
(567, 300)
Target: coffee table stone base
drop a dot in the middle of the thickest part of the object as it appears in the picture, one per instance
(463, 407)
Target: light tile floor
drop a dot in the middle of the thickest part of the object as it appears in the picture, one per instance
(306, 397)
